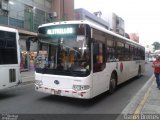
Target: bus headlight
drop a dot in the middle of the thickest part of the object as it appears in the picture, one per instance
(80, 87)
(38, 82)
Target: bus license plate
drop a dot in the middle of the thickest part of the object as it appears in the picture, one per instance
(57, 92)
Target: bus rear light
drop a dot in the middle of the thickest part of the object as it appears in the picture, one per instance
(80, 87)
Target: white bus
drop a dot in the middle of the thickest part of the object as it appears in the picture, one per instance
(82, 60)
(9, 57)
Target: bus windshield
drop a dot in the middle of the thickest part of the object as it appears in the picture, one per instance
(63, 56)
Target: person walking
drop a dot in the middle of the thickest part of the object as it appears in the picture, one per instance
(156, 66)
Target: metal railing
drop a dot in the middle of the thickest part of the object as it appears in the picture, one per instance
(24, 20)
(27, 20)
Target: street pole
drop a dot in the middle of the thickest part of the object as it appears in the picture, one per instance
(28, 60)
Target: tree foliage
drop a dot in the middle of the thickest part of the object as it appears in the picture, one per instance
(156, 45)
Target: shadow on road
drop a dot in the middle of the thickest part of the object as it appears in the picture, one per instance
(73, 101)
(130, 81)
(84, 102)
(6, 96)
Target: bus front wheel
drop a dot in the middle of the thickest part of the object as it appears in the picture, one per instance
(113, 83)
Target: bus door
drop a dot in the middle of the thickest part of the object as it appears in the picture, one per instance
(99, 73)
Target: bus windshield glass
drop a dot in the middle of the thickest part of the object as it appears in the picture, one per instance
(63, 55)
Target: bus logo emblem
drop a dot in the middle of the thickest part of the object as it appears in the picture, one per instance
(56, 82)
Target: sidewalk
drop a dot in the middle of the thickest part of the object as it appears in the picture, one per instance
(152, 104)
(145, 102)
(27, 76)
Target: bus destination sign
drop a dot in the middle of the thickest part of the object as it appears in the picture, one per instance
(60, 31)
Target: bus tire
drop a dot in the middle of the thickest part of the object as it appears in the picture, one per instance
(139, 72)
(113, 83)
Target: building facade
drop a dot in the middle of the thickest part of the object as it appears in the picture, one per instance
(134, 37)
(116, 24)
(27, 15)
(82, 14)
(63, 10)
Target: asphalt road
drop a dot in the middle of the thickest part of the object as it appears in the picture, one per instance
(23, 99)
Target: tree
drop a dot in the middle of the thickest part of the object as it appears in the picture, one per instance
(156, 45)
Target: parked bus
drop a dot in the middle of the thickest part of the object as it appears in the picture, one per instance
(9, 57)
(82, 60)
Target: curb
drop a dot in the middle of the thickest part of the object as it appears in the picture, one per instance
(26, 83)
(136, 100)
(22, 80)
(143, 101)
(27, 77)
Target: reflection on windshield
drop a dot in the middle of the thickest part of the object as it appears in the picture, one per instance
(64, 54)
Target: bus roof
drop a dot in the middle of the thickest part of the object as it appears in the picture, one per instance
(3, 28)
(93, 25)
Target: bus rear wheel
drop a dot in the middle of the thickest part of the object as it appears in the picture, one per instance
(113, 83)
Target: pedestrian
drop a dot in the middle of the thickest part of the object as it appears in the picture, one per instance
(156, 66)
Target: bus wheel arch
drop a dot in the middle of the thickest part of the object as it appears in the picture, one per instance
(113, 82)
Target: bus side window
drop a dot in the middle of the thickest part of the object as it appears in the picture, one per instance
(98, 57)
